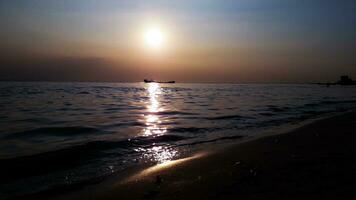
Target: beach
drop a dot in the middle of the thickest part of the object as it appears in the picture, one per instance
(315, 161)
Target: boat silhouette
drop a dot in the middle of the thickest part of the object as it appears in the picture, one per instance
(153, 81)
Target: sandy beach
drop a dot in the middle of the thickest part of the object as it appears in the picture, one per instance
(315, 161)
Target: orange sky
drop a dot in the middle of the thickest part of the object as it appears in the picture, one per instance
(205, 41)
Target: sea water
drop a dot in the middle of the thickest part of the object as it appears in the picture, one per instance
(62, 134)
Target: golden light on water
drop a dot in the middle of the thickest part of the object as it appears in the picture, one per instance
(154, 90)
(152, 119)
(154, 128)
(160, 154)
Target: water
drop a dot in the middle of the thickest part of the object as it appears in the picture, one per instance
(55, 134)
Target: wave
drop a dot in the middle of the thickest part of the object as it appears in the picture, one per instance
(123, 124)
(212, 140)
(314, 112)
(328, 102)
(337, 102)
(67, 158)
(267, 114)
(53, 131)
(83, 92)
(223, 117)
(116, 108)
(174, 113)
(274, 108)
(190, 130)
(163, 113)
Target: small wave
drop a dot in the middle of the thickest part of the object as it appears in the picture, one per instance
(159, 139)
(35, 120)
(103, 87)
(116, 108)
(83, 92)
(123, 124)
(328, 102)
(310, 104)
(189, 130)
(213, 140)
(277, 108)
(267, 114)
(53, 131)
(313, 112)
(337, 102)
(101, 96)
(174, 113)
(223, 117)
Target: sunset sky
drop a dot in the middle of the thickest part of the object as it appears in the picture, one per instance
(239, 41)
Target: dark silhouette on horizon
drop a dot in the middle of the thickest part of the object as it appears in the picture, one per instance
(153, 81)
(344, 80)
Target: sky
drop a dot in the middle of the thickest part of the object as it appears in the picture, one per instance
(238, 41)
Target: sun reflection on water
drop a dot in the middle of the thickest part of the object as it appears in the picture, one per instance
(152, 119)
(154, 128)
(154, 91)
(160, 154)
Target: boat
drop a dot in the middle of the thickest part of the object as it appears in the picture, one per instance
(149, 81)
(153, 81)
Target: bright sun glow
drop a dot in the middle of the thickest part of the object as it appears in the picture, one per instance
(154, 37)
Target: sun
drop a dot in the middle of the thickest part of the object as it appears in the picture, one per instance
(154, 38)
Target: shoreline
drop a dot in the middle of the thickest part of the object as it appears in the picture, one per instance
(289, 160)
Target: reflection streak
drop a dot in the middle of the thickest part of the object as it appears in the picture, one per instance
(160, 154)
(152, 120)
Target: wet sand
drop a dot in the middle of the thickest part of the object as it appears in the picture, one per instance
(316, 161)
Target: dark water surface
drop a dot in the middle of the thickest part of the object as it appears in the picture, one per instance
(55, 134)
